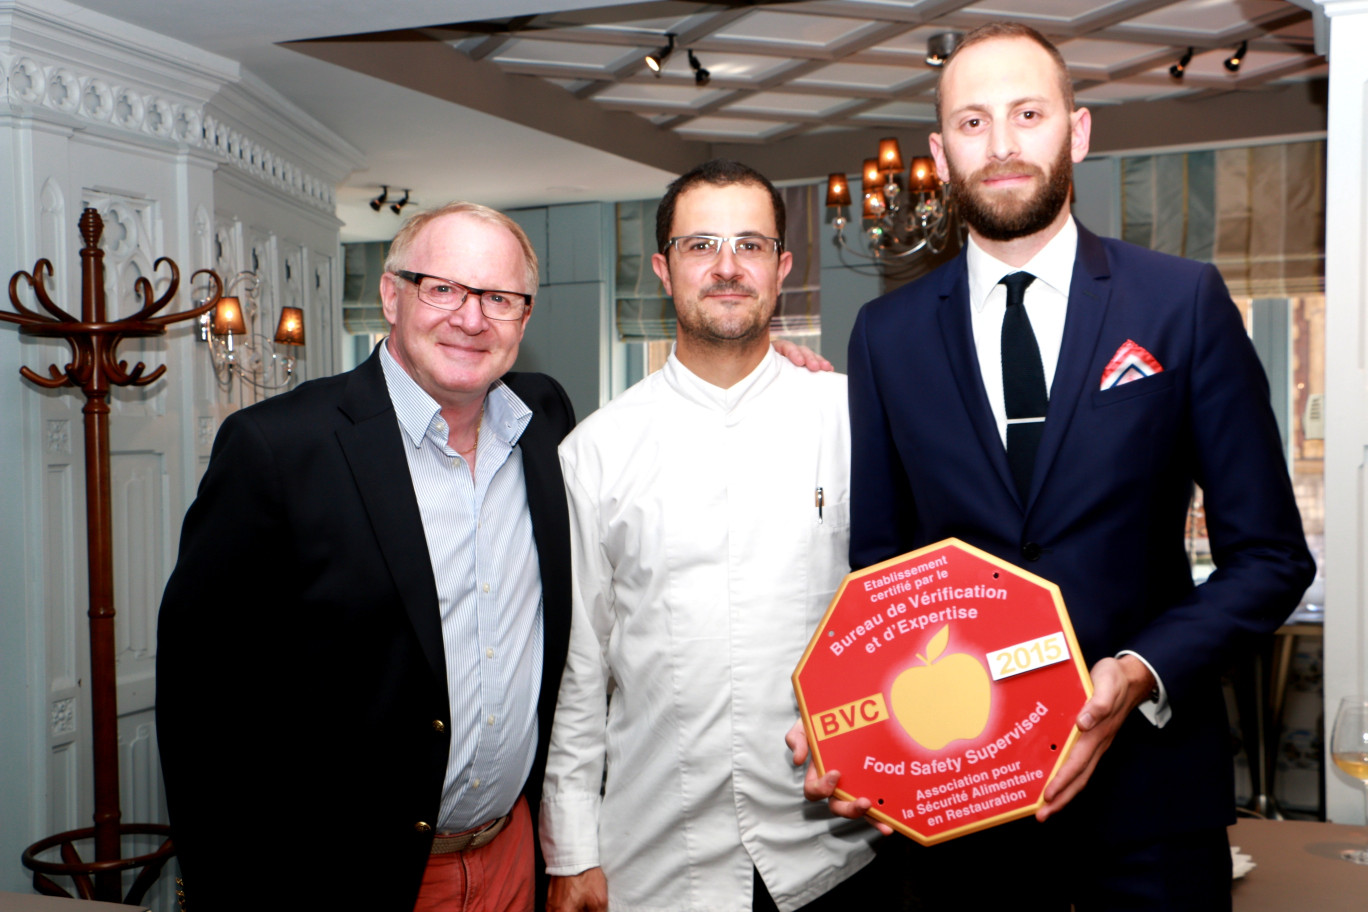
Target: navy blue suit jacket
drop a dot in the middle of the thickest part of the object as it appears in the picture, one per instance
(1107, 508)
(303, 715)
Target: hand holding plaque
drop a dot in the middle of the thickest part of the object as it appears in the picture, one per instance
(944, 684)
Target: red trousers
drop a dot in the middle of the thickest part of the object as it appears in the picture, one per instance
(493, 878)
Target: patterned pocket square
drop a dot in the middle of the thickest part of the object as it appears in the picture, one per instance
(1131, 362)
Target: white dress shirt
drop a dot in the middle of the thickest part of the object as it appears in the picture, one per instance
(484, 560)
(701, 568)
(1047, 304)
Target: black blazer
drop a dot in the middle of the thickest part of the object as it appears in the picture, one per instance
(1106, 512)
(302, 708)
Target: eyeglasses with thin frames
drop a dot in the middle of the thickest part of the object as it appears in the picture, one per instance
(707, 246)
(445, 294)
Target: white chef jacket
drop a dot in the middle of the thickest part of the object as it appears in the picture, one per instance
(701, 567)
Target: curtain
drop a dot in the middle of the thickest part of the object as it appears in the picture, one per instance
(363, 264)
(1256, 213)
(644, 312)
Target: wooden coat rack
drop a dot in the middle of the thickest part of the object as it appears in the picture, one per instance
(94, 368)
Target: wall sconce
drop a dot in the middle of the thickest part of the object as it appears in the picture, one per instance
(1232, 63)
(1179, 68)
(397, 205)
(379, 201)
(657, 59)
(905, 214)
(236, 349)
(701, 76)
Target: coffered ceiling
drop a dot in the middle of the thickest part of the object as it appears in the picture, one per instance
(784, 69)
(526, 102)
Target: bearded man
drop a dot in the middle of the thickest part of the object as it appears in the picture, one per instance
(708, 517)
(1052, 397)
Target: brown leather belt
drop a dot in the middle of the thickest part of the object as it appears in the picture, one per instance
(444, 844)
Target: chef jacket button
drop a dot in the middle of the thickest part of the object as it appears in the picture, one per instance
(1031, 551)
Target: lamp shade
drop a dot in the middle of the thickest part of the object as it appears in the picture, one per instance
(838, 190)
(228, 317)
(890, 156)
(874, 205)
(870, 170)
(290, 330)
(921, 176)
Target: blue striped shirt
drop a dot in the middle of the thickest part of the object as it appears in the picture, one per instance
(484, 559)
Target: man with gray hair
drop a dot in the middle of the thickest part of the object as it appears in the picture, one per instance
(382, 690)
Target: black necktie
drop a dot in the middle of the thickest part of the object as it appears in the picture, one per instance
(1023, 384)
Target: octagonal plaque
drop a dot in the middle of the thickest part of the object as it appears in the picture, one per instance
(944, 685)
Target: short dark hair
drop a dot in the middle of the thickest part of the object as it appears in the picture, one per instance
(720, 172)
(995, 30)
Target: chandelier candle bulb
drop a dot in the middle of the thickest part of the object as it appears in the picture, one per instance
(872, 177)
(890, 155)
(838, 190)
(922, 175)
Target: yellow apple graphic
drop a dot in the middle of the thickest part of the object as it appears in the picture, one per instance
(944, 699)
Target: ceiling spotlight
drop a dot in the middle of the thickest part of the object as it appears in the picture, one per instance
(1179, 68)
(380, 200)
(1233, 62)
(940, 46)
(657, 59)
(701, 76)
(400, 204)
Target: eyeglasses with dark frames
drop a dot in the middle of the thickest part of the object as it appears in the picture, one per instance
(445, 294)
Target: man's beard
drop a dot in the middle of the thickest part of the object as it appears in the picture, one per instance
(1008, 218)
(737, 327)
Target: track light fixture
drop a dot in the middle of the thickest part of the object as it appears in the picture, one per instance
(380, 200)
(657, 59)
(400, 204)
(940, 46)
(1179, 68)
(701, 76)
(1233, 62)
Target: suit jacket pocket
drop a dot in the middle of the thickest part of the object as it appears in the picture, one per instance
(1156, 383)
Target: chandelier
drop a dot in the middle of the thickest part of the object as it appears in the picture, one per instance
(901, 214)
(238, 349)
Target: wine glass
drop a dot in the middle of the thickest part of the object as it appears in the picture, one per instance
(1349, 749)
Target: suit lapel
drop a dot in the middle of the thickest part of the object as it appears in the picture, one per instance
(1089, 295)
(545, 498)
(374, 448)
(958, 336)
